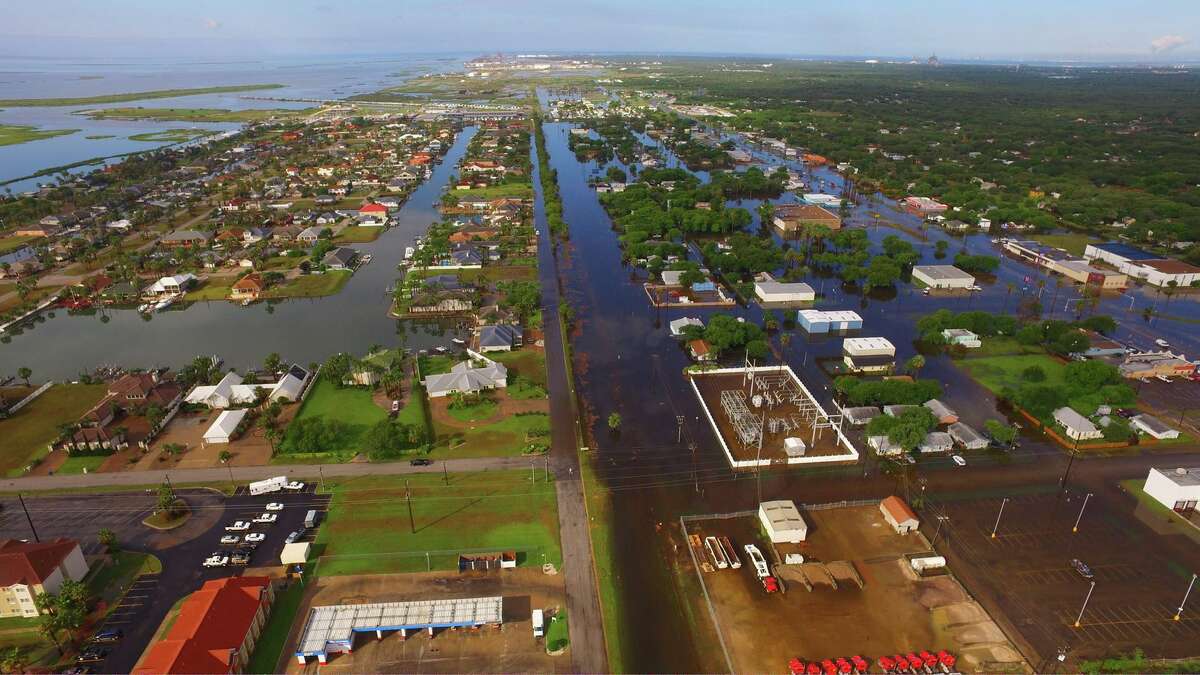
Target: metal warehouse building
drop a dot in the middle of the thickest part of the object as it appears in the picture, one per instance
(942, 276)
(821, 321)
(868, 354)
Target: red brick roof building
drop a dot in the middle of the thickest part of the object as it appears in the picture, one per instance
(216, 629)
(29, 569)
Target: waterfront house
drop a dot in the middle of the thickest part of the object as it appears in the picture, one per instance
(248, 287)
(340, 258)
(499, 338)
(172, 285)
(468, 377)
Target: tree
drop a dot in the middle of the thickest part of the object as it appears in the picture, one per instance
(388, 439)
(65, 610)
(272, 363)
(1001, 433)
(107, 539)
(25, 373)
(1117, 430)
(915, 364)
(1033, 374)
(226, 455)
(166, 499)
(614, 421)
(337, 368)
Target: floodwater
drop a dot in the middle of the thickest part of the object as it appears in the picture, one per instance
(315, 78)
(665, 460)
(302, 330)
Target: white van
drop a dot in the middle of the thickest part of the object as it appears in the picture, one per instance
(310, 519)
(539, 624)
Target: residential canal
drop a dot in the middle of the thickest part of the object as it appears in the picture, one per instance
(301, 330)
(665, 460)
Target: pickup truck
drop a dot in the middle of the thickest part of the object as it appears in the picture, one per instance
(238, 526)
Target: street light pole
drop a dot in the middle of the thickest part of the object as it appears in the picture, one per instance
(1179, 612)
(1085, 604)
(1080, 517)
(940, 519)
(998, 515)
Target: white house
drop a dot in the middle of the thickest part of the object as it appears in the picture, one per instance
(467, 377)
(962, 337)
(232, 391)
(1077, 426)
(225, 426)
(1177, 489)
(678, 325)
(1154, 427)
(782, 521)
(171, 285)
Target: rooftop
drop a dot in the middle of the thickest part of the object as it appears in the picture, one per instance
(337, 623)
(1126, 251)
(23, 562)
(1181, 476)
(942, 272)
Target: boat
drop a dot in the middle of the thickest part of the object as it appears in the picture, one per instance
(365, 259)
(1162, 343)
(715, 553)
(408, 252)
(145, 307)
(458, 341)
(731, 553)
(439, 349)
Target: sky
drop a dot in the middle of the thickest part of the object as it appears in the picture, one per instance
(1157, 31)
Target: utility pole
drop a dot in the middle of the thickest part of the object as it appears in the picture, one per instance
(321, 481)
(546, 460)
(445, 474)
(232, 485)
(941, 520)
(1085, 604)
(997, 525)
(1085, 501)
(1179, 612)
(532, 471)
(28, 518)
(679, 429)
(412, 525)
(1063, 483)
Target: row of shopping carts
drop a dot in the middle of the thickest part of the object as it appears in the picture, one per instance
(916, 663)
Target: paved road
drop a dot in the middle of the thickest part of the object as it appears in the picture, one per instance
(586, 627)
(244, 474)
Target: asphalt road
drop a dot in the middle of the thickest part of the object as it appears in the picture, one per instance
(181, 551)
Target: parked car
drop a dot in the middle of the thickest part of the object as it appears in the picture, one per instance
(255, 537)
(1082, 568)
(92, 655)
(230, 539)
(216, 561)
(247, 546)
(266, 518)
(1162, 378)
(294, 485)
(240, 558)
(421, 462)
(81, 669)
(238, 526)
(109, 635)
(275, 506)
(958, 459)
(291, 538)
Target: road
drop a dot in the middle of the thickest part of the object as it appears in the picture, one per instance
(245, 474)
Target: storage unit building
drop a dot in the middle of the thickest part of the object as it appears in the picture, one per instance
(225, 426)
(782, 521)
(899, 515)
(1177, 489)
(769, 290)
(868, 354)
(822, 321)
(942, 276)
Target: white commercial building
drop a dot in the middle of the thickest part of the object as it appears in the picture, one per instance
(769, 290)
(782, 521)
(225, 426)
(1149, 267)
(823, 321)
(868, 354)
(1177, 489)
(942, 276)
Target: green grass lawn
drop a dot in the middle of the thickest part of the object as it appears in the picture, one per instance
(211, 289)
(27, 433)
(522, 388)
(527, 363)
(357, 234)
(435, 364)
(507, 437)
(515, 190)
(557, 635)
(75, 465)
(1002, 346)
(14, 134)
(194, 114)
(998, 372)
(170, 135)
(1071, 242)
(14, 242)
(367, 530)
(472, 413)
(274, 635)
(110, 582)
(350, 405)
(310, 285)
(497, 273)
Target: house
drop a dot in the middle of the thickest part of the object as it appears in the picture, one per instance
(1101, 346)
(340, 258)
(962, 337)
(942, 276)
(172, 285)
(884, 446)
(1077, 426)
(966, 436)
(499, 338)
(924, 204)
(935, 442)
(310, 235)
(701, 350)
(186, 238)
(216, 629)
(860, 415)
(897, 409)
(1154, 427)
(29, 569)
(770, 291)
(782, 521)
(1177, 489)
(122, 225)
(678, 325)
(823, 321)
(941, 412)
(231, 390)
(468, 378)
(374, 212)
(868, 354)
(224, 428)
(897, 513)
(793, 218)
(248, 287)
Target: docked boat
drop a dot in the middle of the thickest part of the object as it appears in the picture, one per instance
(715, 553)
(731, 553)
(366, 259)
(1162, 343)
(408, 252)
(458, 341)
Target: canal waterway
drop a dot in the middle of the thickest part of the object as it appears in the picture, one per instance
(61, 346)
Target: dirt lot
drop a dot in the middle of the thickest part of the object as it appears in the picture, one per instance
(894, 611)
(512, 649)
(1025, 572)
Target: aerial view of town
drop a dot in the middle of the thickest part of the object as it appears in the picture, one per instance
(531, 337)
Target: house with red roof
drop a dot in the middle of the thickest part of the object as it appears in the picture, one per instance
(373, 209)
(29, 569)
(215, 630)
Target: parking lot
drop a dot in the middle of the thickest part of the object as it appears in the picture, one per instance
(1025, 574)
(182, 550)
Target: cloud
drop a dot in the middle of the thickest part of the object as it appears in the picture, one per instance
(212, 24)
(1167, 43)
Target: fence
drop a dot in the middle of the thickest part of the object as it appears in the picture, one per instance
(423, 561)
(29, 399)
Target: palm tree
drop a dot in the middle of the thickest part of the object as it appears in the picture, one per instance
(914, 365)
(24, 373)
